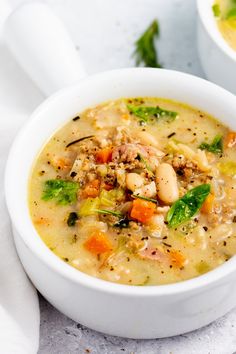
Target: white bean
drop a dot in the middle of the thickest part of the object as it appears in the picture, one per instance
(155, 225)
(167, 187)
(147, 139)
(133, 181)
(148, 191)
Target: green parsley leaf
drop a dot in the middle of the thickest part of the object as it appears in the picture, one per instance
(145, 52)
(145, 114)
(64, 192)
(216, 146)
(187, 206)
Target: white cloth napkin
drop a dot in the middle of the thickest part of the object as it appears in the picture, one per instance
(19, 310)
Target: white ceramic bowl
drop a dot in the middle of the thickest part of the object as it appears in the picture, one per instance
(122, 310)
(217, 57)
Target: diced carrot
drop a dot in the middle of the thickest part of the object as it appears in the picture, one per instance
(142, 210)
(104, 155)
(230, 140)
(91, 189)
(177, 259)
(98, 243)
(207, 206)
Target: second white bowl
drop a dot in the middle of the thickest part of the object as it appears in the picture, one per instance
(217, 57)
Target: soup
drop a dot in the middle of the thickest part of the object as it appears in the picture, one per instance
(225, 12)
(138, 191)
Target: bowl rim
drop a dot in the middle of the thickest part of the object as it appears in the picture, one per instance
(211, 27)
(68, 272)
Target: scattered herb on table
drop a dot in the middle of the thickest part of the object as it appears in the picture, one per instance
(72, 218)
(147, 114)
(145, 51)
(187, 206)
(216, 146)
(64, 192)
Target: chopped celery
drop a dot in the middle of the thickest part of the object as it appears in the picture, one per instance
(227, 168)
(89, 206)
(106, 199)
(109, 198)
(102, 170)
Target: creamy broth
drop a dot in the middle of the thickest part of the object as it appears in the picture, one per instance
(225, 12)
(148, 196)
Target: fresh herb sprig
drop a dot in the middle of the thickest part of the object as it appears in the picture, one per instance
(145, 52)
(187, 206)
(215, 147)
(109, 212)
(64, 192)
(144, 198)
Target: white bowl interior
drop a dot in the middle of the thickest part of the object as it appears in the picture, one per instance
(63, 106)
(210, 24)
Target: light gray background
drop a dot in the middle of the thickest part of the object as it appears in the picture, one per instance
(104, 32)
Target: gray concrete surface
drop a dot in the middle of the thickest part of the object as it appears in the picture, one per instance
(104, 32)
